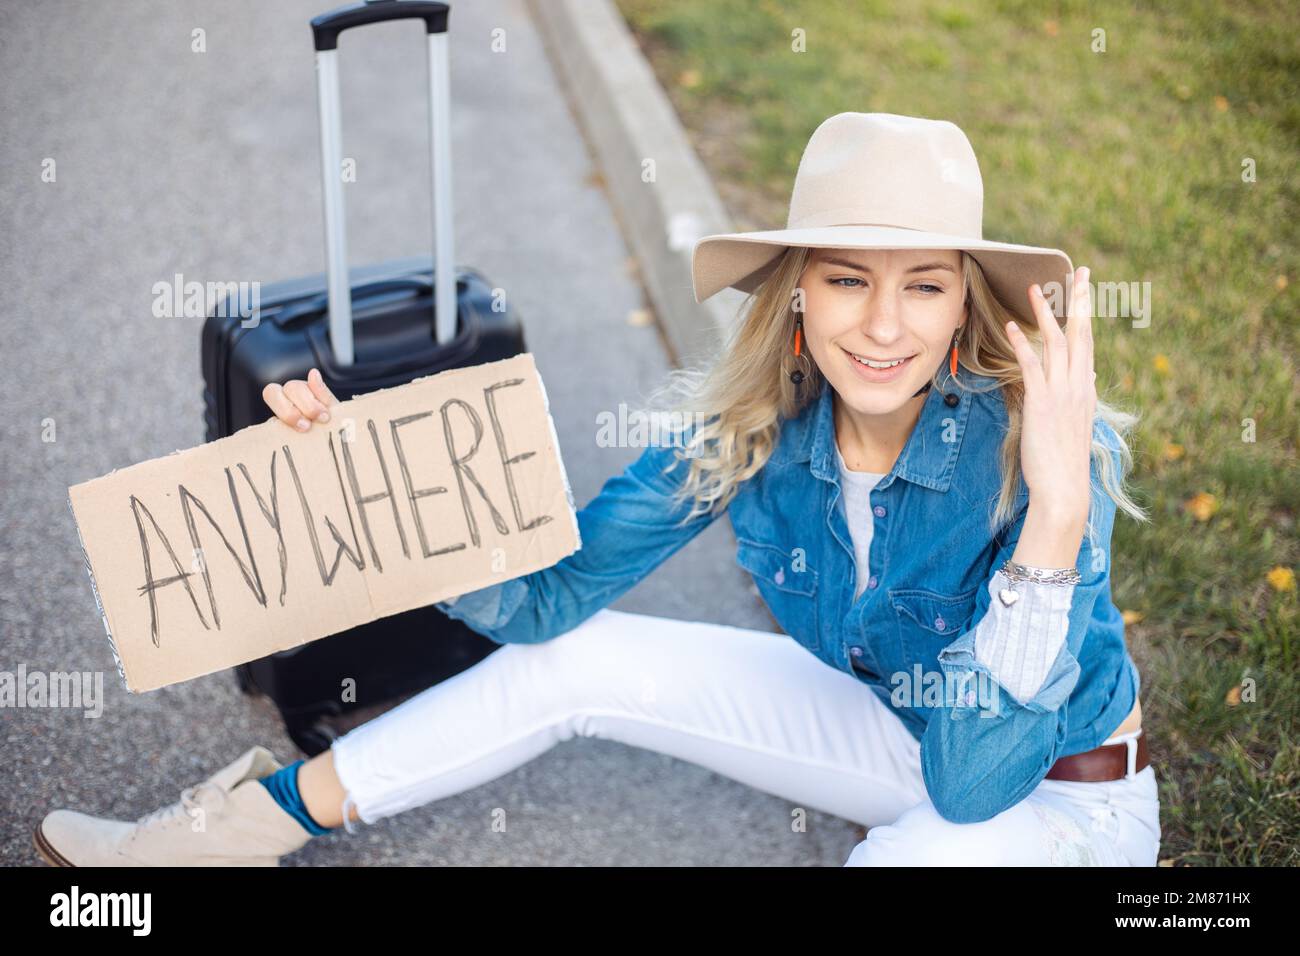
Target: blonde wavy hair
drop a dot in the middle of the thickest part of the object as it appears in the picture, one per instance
(729, 414)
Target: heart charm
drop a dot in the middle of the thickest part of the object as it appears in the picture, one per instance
(1008, 597)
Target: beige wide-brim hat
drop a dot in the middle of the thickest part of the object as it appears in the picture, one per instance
(882, 181)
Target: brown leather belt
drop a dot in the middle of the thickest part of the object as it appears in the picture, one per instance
(1103, 763)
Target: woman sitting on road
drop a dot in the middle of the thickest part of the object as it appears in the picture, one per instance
(922, 482)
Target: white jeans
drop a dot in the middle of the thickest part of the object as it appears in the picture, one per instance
(751, 705)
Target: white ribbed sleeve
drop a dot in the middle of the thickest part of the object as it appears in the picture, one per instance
(1019, 643)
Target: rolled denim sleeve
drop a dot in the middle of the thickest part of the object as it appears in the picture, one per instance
(986, 748)
(631, 527)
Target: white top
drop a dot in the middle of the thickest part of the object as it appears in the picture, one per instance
(1018, 644)
(857, 487)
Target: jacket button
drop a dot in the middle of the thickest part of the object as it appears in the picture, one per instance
(872, 582)
(855, 651)
(951, 400)
(940, 623)
(879, 511)
(780, 575)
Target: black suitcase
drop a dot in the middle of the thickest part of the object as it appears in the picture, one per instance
(392, 337)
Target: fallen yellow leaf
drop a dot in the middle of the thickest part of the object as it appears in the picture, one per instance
(1282, 579)
(1221, 104)
(1202, 505)
(1161, 363)
(689, 78)
(1233, 697)
(1051, 28)
(1281, 283)
(1173, 451)
(1132, 617)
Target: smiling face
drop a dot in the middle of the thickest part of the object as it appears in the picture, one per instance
(878, 322)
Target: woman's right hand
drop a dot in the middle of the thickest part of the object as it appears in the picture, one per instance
(298, 403)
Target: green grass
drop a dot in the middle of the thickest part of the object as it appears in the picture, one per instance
(1131, 161)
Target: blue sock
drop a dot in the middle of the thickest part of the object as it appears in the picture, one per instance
(283, 786)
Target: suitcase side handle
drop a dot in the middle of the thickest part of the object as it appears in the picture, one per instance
(422, 359)
(327, 27)
(318, 305)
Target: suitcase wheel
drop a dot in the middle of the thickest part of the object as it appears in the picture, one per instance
(312, 738)
(245, 681)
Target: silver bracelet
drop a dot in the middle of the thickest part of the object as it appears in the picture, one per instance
(1023, 572)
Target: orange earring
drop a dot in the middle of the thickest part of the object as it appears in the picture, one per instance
(797, 376)
(952, 361)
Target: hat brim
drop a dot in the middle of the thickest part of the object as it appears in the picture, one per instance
(742, 260)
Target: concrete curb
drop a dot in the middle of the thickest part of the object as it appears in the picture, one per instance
(628, 119)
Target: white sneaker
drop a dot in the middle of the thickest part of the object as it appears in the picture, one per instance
(230, 819)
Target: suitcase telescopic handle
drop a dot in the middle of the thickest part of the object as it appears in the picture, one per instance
(325, 31)
(327, 27)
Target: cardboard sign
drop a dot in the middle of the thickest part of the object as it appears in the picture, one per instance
(271, 538)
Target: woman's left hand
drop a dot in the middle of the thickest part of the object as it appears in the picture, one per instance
(1060, 403)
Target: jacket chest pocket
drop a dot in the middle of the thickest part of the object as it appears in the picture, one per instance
(928, 621)
(787, 584)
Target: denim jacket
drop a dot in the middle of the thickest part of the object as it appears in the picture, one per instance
(912, 630)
